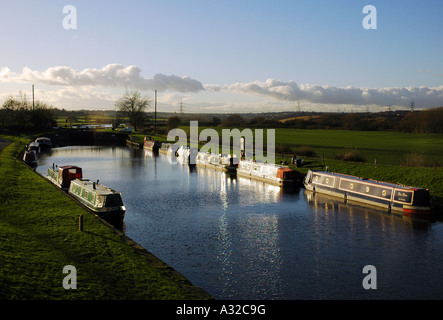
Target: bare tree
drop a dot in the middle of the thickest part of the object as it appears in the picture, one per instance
(134, 106)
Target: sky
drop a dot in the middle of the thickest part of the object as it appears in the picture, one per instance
(225, 56)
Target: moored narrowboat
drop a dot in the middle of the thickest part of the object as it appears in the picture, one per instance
(105, 202)
(393, 197)
(150, 144)
(35, 146)
(30, 157)
(267, 172)
(44, 142)
(62, 176)
(222, 162)
(167, 148)
(186, 155)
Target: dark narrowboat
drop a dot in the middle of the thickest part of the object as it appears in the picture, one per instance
(44, 142)
(393, 197)
(30, 157)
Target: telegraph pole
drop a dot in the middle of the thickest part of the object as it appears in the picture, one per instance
(33, 104)
(155, 113)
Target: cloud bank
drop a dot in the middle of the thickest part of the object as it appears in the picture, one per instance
(290, 91)
(119, 76)
(112, 75)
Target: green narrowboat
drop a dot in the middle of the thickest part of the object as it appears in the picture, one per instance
(105, 202)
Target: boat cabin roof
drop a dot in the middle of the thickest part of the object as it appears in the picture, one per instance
(42, 139)
(346, 176)
(94, 187)
(69, 167)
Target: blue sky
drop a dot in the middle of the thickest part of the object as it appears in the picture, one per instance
(225, 56)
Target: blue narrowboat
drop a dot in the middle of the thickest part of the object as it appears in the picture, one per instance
(393, 197)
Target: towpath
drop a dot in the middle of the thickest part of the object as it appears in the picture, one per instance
(3, 144)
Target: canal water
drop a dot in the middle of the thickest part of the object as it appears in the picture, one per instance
(241, 239)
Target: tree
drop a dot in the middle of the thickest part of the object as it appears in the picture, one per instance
(234, 120)
(134, 106)
(19, 112)
(173, 122)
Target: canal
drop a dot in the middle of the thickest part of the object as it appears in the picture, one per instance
(241, 239)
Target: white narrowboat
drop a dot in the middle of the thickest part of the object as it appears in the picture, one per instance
(268, 172)
(186, 155)
(167, 148)
(222, 162)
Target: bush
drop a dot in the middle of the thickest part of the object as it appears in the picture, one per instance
(306, 152)
(283, 149)
(350, 155)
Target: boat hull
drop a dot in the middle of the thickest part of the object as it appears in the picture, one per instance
(219, 167)
(109, 214)
(269, 180)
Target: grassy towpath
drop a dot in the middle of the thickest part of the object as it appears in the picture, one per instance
(39, 236)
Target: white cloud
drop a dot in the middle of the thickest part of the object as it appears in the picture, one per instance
(112, 75)
(290, 91)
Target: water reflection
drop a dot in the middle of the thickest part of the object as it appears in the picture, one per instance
(242, 239)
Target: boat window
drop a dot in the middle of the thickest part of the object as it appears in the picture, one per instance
(403, 196)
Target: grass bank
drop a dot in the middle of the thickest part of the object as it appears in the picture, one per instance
(39, 236)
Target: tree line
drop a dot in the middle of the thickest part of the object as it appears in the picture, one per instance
(20, 113)
(426, 121)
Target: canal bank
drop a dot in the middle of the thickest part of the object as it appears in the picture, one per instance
(40, 236)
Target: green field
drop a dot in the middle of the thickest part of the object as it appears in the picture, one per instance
(391, 148)
(387, 147)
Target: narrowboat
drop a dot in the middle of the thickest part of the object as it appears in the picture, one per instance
(30, 157)
(150, 144)
(267, 172)
(222, 162)
(393, 197)
(44, 142)
(62, 176)
(35, 146)
(103, 201)
(167, 148)
(186, 155)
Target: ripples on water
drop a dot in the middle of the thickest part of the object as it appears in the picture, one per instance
(241, 239)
